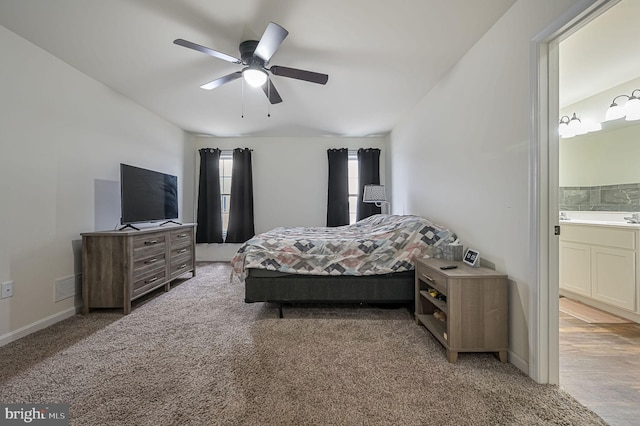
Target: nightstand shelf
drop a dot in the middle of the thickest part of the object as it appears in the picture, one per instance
(474, 307)
(439, 303)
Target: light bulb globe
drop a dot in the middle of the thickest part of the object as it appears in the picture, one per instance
(614, 112)
(254, 77)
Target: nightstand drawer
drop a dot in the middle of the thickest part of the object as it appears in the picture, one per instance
(432, 278)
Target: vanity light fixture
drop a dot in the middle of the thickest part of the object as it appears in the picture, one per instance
(576, 125)
(570, 127)
(564, 129)
(630, 109)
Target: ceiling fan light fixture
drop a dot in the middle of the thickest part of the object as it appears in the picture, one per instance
(254, 77)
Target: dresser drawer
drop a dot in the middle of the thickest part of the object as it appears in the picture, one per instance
(180, 250)
(147, 245)
(432, 278)
(148, 282)
(145, 266)
(181, 236)
(181, 265)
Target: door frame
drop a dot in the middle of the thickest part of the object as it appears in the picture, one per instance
(544, 346)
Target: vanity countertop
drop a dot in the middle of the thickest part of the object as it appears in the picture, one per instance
(600, 223)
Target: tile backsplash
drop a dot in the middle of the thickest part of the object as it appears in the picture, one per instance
(610, 198)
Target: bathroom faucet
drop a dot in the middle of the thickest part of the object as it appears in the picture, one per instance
(634, 218)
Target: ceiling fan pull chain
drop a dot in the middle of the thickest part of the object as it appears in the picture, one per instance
(242, 116)
(268, 98)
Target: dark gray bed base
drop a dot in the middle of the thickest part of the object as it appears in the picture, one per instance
(275, 287)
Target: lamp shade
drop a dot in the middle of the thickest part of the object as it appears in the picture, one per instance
(374, 194)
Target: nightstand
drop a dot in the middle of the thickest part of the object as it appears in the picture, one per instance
(474, 306)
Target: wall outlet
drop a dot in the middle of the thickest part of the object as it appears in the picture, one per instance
(7, 290)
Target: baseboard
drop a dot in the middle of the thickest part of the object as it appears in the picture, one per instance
(216, 252)
(520, 363)
(36, 326)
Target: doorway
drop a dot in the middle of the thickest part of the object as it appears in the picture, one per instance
(597, 358)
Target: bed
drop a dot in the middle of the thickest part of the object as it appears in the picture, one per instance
(370, 261)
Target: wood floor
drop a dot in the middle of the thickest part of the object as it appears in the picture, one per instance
(600, 367)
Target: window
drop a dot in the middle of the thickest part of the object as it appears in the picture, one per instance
(226, 164)
(353, 185)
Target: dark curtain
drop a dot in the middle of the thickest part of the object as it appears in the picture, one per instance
(338, 193)
(368, 172)
(209, 228)
(241, 227)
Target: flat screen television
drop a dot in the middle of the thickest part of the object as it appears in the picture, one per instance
(147, 195)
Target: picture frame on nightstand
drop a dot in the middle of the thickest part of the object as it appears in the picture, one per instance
(471, 257)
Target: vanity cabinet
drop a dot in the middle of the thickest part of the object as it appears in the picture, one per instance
(599, 263)
(575, 267)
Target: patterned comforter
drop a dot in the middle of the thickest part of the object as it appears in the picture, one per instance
(379, 244)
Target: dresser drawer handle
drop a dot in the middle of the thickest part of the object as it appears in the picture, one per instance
(427, 277)
(149, 281)
(150, 242)
(150, 261)
(184, 265)
(181, 235)
(184, 250)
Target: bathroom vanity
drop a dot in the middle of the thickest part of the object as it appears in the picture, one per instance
(599, 265)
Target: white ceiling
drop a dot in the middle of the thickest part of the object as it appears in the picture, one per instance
(603, 54)
(381, 56)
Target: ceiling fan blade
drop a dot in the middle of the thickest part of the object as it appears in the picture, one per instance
(222, 80)
(273, 36)
(271, 92)
(313, 77)
(206, 50)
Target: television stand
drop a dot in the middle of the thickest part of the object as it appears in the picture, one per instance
(121, 266)
(170, 221)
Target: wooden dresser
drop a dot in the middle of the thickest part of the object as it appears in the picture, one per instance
(465, 308)
(120, 266)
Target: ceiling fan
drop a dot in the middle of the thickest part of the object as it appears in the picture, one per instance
(255, 56)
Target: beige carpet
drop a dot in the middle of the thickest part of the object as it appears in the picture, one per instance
(588, 313)
(198, 355)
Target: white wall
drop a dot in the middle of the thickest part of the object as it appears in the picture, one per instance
(62, 137)
(607, 157)
(289, 180)
(461, 158)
